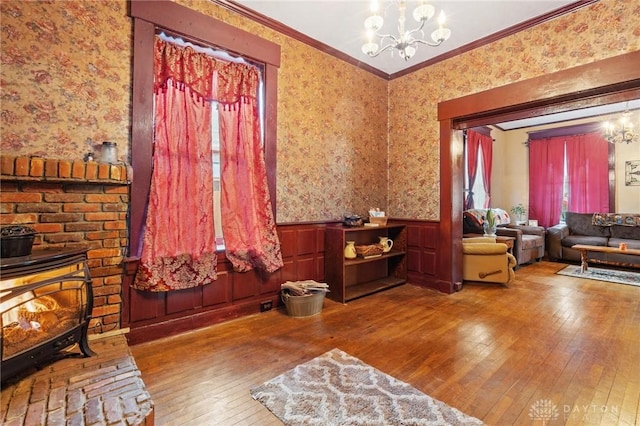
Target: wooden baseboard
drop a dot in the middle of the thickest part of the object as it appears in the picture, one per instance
(179, 325)
(97, 336)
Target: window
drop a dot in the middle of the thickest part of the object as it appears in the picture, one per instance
(175, 19)
(567, 173)
(215, 152)
(215, 128)
(478, 153)
(479, 194)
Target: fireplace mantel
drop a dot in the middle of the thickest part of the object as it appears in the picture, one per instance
(38, 169)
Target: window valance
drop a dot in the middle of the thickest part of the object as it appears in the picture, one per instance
(231, 82)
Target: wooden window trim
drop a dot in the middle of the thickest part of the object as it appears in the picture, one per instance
(149, 17)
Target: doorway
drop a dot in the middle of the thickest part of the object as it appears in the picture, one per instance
(607, 81)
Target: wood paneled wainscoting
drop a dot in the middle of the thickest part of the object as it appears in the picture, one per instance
(151, 315)
(422, 254)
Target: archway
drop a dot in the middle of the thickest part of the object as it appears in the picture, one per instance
(610, 80)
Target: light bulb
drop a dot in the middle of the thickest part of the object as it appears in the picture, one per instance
(407, 53)
(442, 19)
(373, 22)
(424, 12)
(440, 35)
(374, 7)
(369, 48)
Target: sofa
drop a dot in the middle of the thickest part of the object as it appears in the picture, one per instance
(529, 241)
(594, 230)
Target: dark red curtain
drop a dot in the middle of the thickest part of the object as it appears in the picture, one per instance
(486, 144)
(472, 146)
(474, 141)
(588, 173)
(546, 178)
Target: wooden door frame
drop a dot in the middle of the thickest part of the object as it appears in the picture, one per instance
(609, 80)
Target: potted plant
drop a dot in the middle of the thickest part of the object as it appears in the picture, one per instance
(489, 224)
(519, 211)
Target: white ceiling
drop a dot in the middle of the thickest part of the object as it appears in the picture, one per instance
(598, 111)
(340, 23)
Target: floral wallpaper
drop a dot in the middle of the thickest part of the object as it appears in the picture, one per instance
(332, 129)
(66, 87)
(604, 29)
(65, 78)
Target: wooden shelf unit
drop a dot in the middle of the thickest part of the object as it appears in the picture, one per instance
(349, 279)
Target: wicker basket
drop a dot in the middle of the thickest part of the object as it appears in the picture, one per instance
(370, 250)
(381, 221)
(303, 306)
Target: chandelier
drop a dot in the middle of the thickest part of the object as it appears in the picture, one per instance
(622, 132)
(407, 40)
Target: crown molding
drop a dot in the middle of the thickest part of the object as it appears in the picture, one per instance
(290, 32)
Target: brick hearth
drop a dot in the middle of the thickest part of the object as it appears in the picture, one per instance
(105, 389)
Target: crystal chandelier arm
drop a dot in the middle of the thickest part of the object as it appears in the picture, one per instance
(383, 36)
(412, 41)
(387, 47)
(417, 30)
(426, 42)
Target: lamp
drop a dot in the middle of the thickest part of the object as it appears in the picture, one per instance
(406, 41)
(623, 132)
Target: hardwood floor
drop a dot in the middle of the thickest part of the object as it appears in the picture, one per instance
(489, 350)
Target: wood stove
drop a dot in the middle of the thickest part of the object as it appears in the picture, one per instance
(46, 300)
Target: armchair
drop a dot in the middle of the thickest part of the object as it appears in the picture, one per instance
(529, 241)
(485, 260)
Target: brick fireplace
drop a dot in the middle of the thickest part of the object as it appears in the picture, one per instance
(84, 205)
(74, 204)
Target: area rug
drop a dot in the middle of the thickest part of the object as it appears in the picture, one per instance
(600, 274)
(339, 389)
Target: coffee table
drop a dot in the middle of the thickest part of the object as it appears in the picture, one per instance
(585, 249)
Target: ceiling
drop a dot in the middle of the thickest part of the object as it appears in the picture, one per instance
(339, 24)
(564, 117)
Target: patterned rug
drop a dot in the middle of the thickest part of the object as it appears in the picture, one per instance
(338, 389)
(600, 274)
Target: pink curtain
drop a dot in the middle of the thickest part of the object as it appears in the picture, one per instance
(179, 244)
(588, 169)
(486, 143)
(178, 247)
(546, 174)
(472, 145)
(248, 225)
